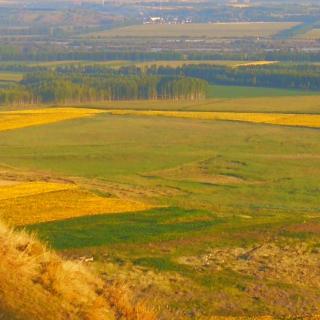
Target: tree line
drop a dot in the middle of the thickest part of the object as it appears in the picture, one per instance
(32, 53)
(279, 75)
(77, 88)
(257, 76)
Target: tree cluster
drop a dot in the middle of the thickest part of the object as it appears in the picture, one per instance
(76, 88)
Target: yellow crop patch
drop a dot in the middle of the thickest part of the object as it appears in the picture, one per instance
(298, 120)
(19, 119)
(31, 188)
(36, 202)
(254, 63)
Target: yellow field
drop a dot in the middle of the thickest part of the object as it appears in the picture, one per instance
(254, 63)
(31, 189)
(196, 30)
(27, 118)
(180, 63)
(10, 76)
(300, 120)
(36, 202)
(313, 34)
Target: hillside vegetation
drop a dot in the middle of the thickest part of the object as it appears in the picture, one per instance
(36, 284)
(233, 218)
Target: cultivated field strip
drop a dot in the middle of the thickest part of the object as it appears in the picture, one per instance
(195, 30)
(20, 119)
(36, 202)
(31, 189)
(296, 120)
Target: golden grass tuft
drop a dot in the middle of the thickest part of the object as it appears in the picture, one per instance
(36, 202)
(297, 120)
(36, 284)
(121, 301)
(20, 119)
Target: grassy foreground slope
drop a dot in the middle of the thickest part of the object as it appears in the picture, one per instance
(37, 284)
(238, 228)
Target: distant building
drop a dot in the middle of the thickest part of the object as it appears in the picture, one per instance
(167, 20)
(240, 4)
(154, 20)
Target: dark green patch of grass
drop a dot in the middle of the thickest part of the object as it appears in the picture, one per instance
(303, 236)
(141, 227)
(159, 263)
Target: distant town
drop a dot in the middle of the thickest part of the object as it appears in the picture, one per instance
(166, 20)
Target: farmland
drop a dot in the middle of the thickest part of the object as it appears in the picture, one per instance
(34, 202)
(301, 120)
(228, 102)
(10, 76)
(236, 92)
(212, 188)
(214, 30)
(313, 34)
(20, 119)
(159, 160)
(231, 63)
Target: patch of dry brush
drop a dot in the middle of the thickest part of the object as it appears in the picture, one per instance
(36, 284)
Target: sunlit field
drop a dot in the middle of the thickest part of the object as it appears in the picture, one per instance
(210, 30)
(188, 202)
(26, 118)
(300, 120)
(10, 76)
(35, 202)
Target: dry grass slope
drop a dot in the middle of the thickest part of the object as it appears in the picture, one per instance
(36, 202)
(37, 284)
(27, 118)
(297, 120)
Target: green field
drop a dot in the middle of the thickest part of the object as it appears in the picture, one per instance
(235, 92)
(194, 30)
(235, 200)
(276, 104)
